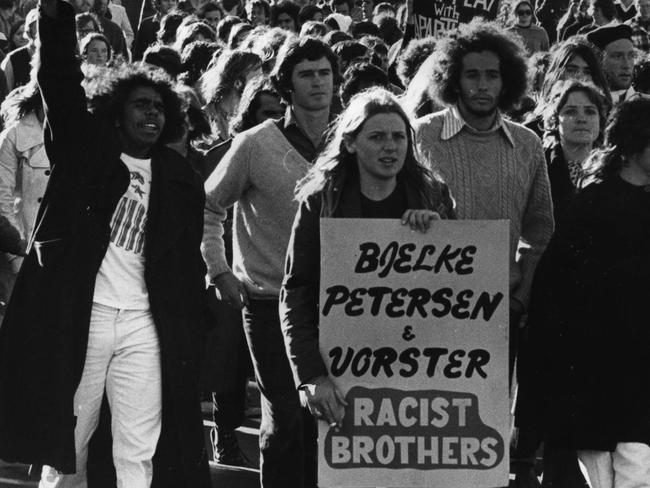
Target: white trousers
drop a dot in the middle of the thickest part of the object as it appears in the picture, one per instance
(123, 358)
(627, 467)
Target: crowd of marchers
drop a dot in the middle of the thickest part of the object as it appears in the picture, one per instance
(163, 172)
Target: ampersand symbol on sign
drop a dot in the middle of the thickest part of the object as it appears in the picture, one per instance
(408, 334)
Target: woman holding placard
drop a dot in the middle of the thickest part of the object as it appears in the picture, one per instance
(574, 116)
(368, 169)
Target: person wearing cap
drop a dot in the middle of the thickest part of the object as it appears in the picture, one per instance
(618, 58)
(640, 24)
(525, 24)
(17, 64)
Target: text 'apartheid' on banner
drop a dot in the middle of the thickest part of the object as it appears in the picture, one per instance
(436, 17)
(413, 328)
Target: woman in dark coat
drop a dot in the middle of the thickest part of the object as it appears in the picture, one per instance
(574, 118)
(583, 385)
(45, 335)
(368, 169)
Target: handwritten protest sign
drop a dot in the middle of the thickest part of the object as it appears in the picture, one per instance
(436, 17)
(413, 329)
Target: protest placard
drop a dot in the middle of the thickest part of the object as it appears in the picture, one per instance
(436, 17)
(414, 331)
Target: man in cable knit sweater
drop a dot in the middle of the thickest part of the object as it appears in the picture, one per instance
(258, 175)
(494, 168)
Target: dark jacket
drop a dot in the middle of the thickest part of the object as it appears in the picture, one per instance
(549, 13)
(583, 368)
(115, 36)
(572, 29)
(562, 188)
(44, 336)
(145, 36)
(20, 60)
(10, 239)
(300, 288)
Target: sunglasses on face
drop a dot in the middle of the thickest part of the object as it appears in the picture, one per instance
(522, 13)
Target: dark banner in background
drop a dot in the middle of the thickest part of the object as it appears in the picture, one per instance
(436, 17)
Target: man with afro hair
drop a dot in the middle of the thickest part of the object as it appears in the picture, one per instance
(494, 168)
(110, 300)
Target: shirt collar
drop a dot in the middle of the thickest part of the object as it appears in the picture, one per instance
(621, 95)
(624, 7)
(290, 118)
(453, 123)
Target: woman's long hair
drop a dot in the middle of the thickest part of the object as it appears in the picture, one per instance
(418, 99)
(563, 52)
(244, 118)
(221, 79)
(336, 160)
(627, 134)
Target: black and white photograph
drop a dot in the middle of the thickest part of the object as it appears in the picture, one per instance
(324, 243)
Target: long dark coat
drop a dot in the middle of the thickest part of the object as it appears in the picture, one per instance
(44, 336)
(584, 367)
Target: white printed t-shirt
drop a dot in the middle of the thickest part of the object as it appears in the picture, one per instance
(120, 280)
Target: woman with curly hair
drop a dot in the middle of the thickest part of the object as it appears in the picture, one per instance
(110, 297)
(583, 386)
(368, 169)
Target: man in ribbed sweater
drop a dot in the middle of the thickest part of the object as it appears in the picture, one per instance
(258, 175)
(494, 168)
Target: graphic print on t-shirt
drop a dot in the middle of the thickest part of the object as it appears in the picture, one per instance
(120, 280)
(130, 217)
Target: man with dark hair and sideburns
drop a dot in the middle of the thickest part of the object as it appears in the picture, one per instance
(110, 299)
(259, 173)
